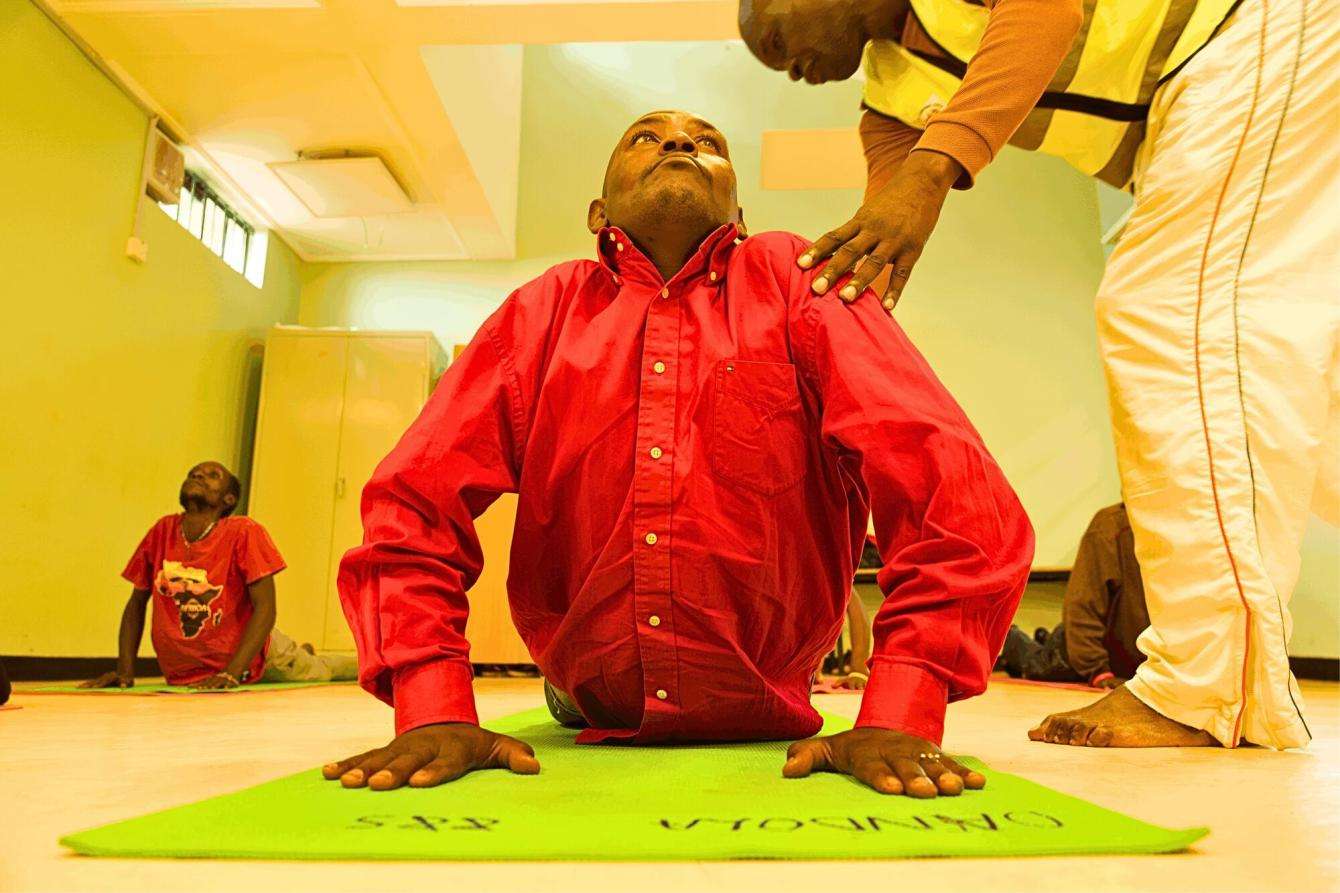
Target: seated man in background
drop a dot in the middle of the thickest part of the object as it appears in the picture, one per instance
(697, 439)
(211, 578)
(1102, 615)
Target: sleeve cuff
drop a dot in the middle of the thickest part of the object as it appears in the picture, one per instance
(959, 142)
(1101, 678)
(905, 698)
(435, 692)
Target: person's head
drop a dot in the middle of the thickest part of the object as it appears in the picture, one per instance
(210, 485)
(817, 40)
(670, 172)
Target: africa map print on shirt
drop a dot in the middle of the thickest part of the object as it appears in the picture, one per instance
(190, 588)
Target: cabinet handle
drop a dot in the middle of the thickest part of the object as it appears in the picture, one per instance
(339, 488)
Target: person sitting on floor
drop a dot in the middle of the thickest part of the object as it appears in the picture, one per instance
(1102, 614)
(210, 575)
(697, 439)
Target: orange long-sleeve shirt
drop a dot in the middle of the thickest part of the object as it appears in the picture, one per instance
(1024, 44)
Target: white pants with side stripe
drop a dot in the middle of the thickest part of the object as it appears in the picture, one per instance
(1219, 325)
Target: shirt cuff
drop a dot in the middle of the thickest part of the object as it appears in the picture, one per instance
(959, 142)
(439, 691)
(905, 698)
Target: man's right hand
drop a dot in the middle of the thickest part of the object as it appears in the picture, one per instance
(110, 679)
(430, 755)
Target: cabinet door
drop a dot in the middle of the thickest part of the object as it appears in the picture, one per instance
(493, 636)
(385, 385)
(294, 469)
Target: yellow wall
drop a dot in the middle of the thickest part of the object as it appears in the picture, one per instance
(118, 376)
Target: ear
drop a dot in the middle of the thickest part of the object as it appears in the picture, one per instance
(596, 220)
(229, 500)
(739, 222)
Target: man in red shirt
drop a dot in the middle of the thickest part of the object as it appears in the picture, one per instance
(211, 578)
(697, 439)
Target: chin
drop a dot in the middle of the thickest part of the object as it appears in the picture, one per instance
(681, 203)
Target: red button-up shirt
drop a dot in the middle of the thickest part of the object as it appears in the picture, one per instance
(696, 461)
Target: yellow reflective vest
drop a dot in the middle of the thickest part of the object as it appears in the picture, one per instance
(1093, 112)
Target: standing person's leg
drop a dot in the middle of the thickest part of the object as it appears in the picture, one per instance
(1217, 324)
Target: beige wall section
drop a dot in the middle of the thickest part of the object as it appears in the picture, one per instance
(118, 376)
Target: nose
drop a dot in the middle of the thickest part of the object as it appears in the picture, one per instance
(679, 141)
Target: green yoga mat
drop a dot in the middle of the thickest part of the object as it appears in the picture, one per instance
(620, 803)
(165, 689)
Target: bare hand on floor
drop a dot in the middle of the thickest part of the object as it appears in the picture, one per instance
(110, 679)
(888, 761)
(430, 755)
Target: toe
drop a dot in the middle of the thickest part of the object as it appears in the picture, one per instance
(1079, 734)
(1100, 737)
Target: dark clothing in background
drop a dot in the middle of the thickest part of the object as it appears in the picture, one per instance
(4, 685)
(1104, 609)
(1102, 615)
(1024, 656)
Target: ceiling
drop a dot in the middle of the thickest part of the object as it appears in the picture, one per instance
(432, 87)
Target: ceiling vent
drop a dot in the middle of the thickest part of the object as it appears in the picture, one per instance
(344, 186)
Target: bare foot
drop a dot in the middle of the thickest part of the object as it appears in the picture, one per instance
(307, 646)
(1119, 719)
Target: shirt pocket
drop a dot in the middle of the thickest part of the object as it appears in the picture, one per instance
(758, 430)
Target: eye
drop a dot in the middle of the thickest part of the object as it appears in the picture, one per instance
(642, 135)
(711, 142)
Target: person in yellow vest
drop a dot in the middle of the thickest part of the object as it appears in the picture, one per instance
(1218, 316)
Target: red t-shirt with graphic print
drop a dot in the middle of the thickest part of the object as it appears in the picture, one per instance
(199, 592)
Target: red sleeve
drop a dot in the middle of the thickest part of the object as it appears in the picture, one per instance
(257, 555)
(954, 539)
(403, 589)
(139, 570)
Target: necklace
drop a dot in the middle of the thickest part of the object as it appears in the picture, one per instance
(205, 533)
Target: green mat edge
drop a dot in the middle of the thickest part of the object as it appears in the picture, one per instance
(1182, 842)
(164, 689)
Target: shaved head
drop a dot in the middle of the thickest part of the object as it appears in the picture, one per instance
(670, 171)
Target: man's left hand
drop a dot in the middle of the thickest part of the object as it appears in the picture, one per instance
(888, 761)
(215, 683)
(892, 227)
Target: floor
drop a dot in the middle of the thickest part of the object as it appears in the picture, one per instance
(70, 762)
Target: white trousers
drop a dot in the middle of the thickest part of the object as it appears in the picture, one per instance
(289, 662)
(1219, 325)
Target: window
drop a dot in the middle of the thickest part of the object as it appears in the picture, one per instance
(205, 216)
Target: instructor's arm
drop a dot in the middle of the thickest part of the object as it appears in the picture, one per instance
(1024, 44)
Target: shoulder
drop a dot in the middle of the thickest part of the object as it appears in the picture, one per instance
(537, 303)
(769, 259)
(776, 250)
(1111, 518)
(165, 524)
(241, 525)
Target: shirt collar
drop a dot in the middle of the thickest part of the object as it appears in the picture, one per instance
(624, 259)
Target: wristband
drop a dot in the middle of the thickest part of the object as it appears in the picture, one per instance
(1101, 678)
(862, 676)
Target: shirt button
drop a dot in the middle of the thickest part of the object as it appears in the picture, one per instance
(712, 276)
(665, 292)
(654, 620)
(656, 453)
(658, 367)
(651, 539)
(662, 694)
(619, 246)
